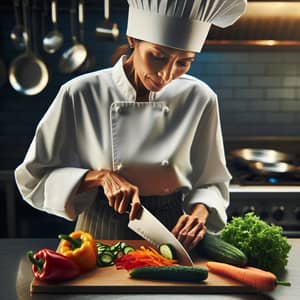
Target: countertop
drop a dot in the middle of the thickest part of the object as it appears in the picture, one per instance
(15, 277)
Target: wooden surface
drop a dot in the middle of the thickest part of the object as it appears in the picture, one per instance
(111, 280)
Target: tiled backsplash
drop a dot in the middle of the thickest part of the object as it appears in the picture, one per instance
(259, 92)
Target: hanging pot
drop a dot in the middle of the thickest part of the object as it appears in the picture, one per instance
(28, 74)
(75, 56)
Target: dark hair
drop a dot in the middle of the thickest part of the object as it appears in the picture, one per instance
(123, 49)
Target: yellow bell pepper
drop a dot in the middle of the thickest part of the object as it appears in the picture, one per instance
(80, 247)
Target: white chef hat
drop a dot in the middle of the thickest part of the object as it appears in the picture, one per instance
(181, 24)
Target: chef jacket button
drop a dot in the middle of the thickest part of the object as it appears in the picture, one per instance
(119, 167)
(164, 163)
(165, 109)
(117, 109)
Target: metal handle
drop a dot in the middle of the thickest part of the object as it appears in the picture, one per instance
(106, 9)
(81, 19)
(26, 25)
(72, 21)
(54, 13)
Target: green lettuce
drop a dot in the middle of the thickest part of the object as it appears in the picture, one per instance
(263, 244)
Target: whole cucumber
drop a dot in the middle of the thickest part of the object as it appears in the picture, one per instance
(213, 247)
(171, 273)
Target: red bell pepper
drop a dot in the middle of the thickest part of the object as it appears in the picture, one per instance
(51, 266)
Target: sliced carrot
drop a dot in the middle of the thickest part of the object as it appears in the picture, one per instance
(257, 278)
(142, 257)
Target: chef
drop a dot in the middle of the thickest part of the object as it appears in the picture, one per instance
(141, 132)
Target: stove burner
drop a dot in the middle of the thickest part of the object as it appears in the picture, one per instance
(243, 175)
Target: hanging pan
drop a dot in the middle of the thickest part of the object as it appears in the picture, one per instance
(28, 74)
(75, 56)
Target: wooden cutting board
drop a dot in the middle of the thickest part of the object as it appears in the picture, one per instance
(110, 280)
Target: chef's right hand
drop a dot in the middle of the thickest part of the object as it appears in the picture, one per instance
(120, 193)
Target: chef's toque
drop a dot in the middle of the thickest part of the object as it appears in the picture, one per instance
(180, 24)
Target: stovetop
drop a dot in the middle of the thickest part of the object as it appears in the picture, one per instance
(244, 176)
(275, 199)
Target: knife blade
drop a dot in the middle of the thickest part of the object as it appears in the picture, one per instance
(152, 230)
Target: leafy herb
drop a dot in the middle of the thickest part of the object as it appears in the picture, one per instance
(262, 243)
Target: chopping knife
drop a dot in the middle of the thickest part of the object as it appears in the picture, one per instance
(152, 230)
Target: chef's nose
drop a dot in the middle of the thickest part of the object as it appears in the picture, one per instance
(166, 74)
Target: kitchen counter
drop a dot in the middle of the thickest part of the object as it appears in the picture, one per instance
(15, 277)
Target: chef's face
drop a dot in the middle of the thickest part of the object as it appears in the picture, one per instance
(155, 66)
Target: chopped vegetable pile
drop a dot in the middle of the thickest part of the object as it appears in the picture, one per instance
(142, 257)
(108, 253)
(262, 243)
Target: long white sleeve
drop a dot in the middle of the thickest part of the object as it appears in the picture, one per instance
(210, 176)
(50, 174)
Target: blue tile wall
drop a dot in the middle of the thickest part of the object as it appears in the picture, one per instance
(259, 92)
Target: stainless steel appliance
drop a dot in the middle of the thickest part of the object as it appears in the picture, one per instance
(275, 198)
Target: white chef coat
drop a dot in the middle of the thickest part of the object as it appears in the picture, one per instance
(171, 142)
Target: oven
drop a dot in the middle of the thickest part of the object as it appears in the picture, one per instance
(274, 198)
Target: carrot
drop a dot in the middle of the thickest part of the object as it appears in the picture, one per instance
(142, 257)
(257, 278)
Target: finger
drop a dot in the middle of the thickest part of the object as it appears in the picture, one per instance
(188, 233)
(110, 198)
(117, 201)
(125, 200)
(108, 190)
(198, 238)
(194, 236)
(184, 227)
(135, 205)
(179, 225)
(190, 238)
(185, 236)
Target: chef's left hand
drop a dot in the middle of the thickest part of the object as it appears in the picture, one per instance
(190, 229)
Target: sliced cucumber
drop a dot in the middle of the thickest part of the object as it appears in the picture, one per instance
(123, 245)
(108, 253)
(115, 246)
(167, 251)
(128, 249)
(106, 258)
